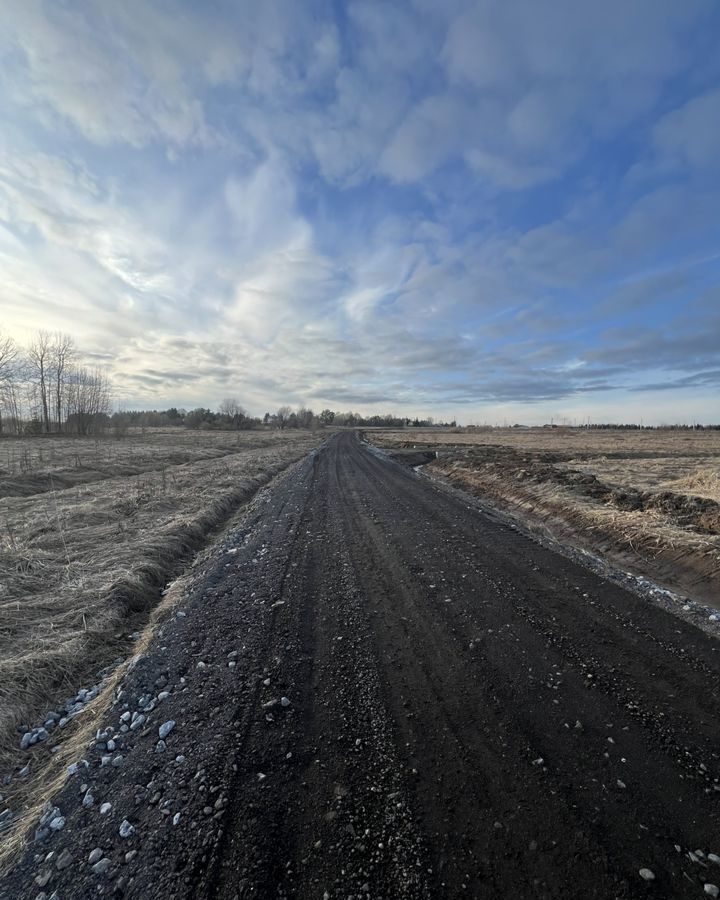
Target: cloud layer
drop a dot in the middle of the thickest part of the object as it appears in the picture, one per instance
(481, 210)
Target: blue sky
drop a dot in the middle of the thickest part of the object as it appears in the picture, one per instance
(487, 210)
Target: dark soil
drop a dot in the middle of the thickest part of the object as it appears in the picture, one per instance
(470, 715)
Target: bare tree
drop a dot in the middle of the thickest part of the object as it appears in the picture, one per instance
(282, 416)
(233, 413)
(42, 388)
(39, 356)
(88, 400)
(8, 355)
(305, 417)
(8, 393)
(62, 357)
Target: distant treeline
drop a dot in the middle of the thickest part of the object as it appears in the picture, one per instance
(610, 426)
(231, 416)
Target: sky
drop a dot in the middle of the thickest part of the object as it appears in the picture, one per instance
(489, 211)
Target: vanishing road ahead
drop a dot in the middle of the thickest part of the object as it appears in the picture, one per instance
(381, 692)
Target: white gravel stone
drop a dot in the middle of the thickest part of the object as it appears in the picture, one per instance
(712, 890)
(101, 867)
(647, 874)
(95, 856)
(43, 877)
(64, 860)
(105, 808)
(126, 829)
(166, 728)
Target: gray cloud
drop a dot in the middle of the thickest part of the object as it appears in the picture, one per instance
(699, 379)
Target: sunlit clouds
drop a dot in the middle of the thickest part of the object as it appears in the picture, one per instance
(478, 210)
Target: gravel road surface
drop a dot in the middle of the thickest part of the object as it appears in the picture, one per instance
(377, 691)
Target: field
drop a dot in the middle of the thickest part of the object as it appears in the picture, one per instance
(90, 533)
(647, 501)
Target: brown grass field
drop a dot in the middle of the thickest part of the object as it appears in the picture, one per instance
(646, 501)
(90, 533)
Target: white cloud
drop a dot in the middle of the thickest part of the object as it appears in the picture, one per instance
(107, 85)
(133, 73)
(690, 136)
(263, 210)
(432, 130)
(60, 199)
(271, 200)
(506, 173)
(538, 83)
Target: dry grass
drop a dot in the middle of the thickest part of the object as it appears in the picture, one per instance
(34, 464)
(82, 566)
(600, 443)
(701, 483)
(687, 462)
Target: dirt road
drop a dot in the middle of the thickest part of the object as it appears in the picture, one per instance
(379, 692)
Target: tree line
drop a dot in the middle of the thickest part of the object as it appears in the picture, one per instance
(286, 417)
(44, 388)
(631, 426)
(231, 415)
